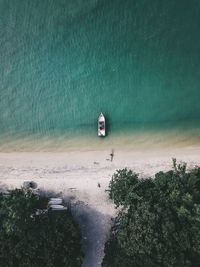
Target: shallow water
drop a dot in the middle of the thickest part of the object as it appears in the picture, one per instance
(63, 62)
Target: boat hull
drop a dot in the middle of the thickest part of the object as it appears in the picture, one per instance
(101, 126)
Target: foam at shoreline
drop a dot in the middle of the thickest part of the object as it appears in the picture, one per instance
(134, 141)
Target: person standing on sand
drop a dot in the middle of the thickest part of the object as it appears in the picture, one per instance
(111, 155)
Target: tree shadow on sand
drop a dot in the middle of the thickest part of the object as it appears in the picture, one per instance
(3, 188)
(95, 228)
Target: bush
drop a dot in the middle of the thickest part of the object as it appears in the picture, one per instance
(159, 224)
(32, 239)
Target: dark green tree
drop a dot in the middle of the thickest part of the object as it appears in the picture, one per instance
(31, 237)
(159, 223)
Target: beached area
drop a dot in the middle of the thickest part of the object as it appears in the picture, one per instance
(82, 178)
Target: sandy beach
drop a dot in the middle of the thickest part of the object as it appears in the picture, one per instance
(82, 178)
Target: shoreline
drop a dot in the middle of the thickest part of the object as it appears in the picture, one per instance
(138, 140)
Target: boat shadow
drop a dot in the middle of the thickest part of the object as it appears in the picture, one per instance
(108, 125)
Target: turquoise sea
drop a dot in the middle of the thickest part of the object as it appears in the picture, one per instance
(63, 62)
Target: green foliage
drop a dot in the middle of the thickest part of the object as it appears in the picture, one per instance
(121, 186)
(32, 239)
(160, 225)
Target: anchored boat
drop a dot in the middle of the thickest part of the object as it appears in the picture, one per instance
(101, 125)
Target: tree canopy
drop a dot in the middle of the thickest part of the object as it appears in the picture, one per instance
(32, 237)
(159, 221)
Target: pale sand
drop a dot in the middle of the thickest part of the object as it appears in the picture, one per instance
(76, 175)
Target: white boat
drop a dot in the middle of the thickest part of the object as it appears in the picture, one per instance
(101, 125)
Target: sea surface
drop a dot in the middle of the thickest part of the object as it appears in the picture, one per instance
(63, 62)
